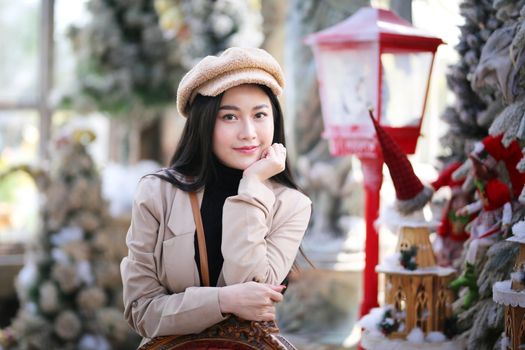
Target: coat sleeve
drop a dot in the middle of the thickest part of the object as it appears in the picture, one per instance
(250, 248)
(149, 308)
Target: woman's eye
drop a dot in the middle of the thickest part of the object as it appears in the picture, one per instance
(228, 117)
(260, 115)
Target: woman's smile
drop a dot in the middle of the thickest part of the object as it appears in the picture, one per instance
(247, 149)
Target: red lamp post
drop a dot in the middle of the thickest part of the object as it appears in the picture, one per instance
(373, 59)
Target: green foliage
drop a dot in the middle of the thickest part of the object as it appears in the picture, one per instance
(389, 323)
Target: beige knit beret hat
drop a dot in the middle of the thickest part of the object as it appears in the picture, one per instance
(235, 66)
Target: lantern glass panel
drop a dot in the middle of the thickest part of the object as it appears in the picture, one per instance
(348, 80)
(404, 83)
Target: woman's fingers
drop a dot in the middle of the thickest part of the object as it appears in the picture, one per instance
(277, 288)
(272, 162)
(279, 150)
(267, 313)
(276, 296)
(271, 152)
(268, 317)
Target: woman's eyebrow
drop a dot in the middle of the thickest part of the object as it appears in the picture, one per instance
(235, 108)
(264, 105)
(229, 107)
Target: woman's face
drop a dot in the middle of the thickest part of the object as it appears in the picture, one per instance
(244, 126)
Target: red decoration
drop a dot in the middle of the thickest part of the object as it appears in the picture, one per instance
(491, 150)
(494, 194)
(452, 226)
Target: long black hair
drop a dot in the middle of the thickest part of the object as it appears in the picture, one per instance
(192, 164)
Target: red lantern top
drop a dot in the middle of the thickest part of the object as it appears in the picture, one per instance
(377, 25)
(373, 59)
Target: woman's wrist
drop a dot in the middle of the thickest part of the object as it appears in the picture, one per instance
(224, 304)
(251, 175)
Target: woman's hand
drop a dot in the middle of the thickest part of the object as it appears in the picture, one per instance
(251, 300)
(272, 162)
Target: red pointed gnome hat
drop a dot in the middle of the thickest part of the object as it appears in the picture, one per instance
(411, 195)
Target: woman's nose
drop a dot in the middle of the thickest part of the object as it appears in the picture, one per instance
(248, 130)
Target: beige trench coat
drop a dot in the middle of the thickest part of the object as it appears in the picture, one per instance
(263, 226)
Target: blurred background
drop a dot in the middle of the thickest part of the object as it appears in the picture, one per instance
(103, 74)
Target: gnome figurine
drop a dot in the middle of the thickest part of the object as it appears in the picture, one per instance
(494, 213)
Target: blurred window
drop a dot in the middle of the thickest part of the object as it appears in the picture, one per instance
(28, 88)
(19, 21)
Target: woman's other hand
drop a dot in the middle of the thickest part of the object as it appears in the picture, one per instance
(251, 300)
(272, 162)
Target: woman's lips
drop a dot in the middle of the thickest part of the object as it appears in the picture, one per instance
(247, 149)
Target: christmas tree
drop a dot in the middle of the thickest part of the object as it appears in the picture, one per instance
(70, 289)
(489, 86)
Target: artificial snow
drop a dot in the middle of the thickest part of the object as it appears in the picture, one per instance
(394, 219)
(392, 260)
(373, 340)
(502, 293)
(372, 320)
(505, 342)
(435, 337)
(518, 229)
(391, 265)
(416, 336)
(517, 276)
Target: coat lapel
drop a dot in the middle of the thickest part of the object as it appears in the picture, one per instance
(180, 223)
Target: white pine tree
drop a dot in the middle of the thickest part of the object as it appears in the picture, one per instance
(70, 289)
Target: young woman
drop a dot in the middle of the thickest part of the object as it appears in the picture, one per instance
(232, 155)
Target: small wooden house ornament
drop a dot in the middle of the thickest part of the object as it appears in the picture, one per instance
(511, 293)
(419, 297)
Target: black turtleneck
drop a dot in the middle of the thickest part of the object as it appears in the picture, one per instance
(226, 184)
